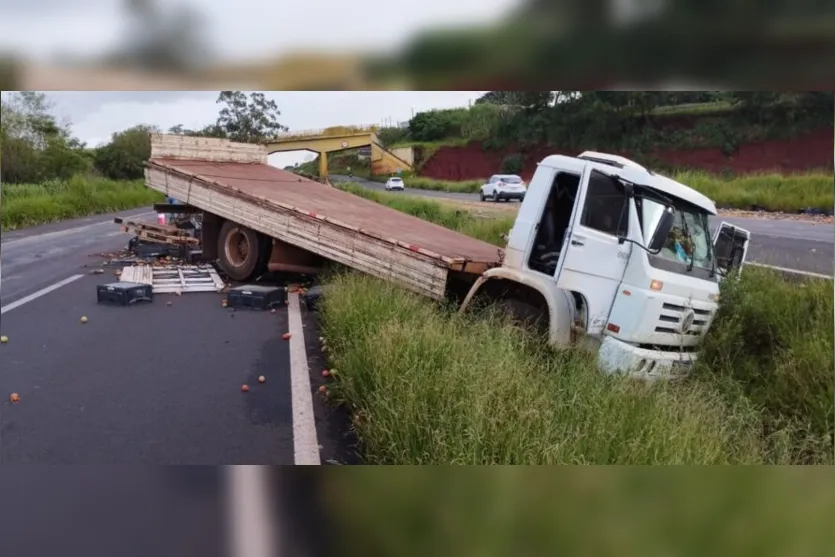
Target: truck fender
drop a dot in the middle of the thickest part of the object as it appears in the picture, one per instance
(561, 307)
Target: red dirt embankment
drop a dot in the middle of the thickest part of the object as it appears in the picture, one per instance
(807, 152)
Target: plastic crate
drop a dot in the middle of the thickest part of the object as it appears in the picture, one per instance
(257, 297)
(124, 293)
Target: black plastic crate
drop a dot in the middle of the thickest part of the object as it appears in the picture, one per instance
(256, 296)
(124, 293)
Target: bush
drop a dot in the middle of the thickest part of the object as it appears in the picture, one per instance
(630, 121)
(391, 136)
(512, 164)
(772, 342)
(124, 157)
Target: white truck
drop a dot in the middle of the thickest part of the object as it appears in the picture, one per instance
(610, 255)
(603, 252)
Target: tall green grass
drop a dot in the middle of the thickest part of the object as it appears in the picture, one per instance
(771, 192)
(33, 204)
(772, 343)
(774, 192)
(429, 386)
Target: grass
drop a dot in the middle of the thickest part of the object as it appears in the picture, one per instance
(772, 192)
(26, 205)
(427, 386)
(772, 343)
(486, 229)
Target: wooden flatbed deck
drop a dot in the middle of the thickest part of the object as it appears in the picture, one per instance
(234, 181)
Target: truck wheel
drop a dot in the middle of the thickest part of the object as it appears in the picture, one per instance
(239, 251)
(524, 314)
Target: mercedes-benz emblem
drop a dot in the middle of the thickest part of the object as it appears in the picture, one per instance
(687, 320)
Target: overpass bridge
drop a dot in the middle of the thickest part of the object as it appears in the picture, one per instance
(341, 138)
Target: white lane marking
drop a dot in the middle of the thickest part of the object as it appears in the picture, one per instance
(787, 270)
(59, 233)
(38, 294)
(250, 516)
(305, 441)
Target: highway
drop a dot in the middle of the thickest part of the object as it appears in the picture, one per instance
(787, 244)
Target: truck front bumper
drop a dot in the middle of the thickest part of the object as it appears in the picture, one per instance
(616, 356)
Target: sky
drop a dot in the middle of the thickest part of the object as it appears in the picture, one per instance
(238, 30)
(94, 116)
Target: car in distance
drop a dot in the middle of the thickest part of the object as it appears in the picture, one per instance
(504, 186)
(395, 183)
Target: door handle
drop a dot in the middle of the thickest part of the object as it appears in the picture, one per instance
(577, 243)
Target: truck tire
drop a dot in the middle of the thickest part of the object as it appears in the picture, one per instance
(524, 314)
(240, 251)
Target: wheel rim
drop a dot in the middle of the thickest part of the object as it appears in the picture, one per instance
(237, 248)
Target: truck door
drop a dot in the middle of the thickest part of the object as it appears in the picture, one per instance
(730, 247)
(593, 262)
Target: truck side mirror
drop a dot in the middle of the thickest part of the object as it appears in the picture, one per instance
(662, 230)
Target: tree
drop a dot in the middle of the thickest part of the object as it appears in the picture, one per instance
(529, 100)
(35, 146)
(248, 120)
(429, 126)
(124, 157)
(212, 130)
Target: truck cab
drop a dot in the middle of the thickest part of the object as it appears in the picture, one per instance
(620, 259)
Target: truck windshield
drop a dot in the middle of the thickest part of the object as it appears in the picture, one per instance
(689, 248)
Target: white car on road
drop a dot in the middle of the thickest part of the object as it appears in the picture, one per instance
(504, 186)
(395, 183)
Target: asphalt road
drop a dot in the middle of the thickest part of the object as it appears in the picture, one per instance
(799, 245)
(150, 384)
(37, 257)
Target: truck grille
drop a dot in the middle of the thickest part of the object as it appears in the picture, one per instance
(672, 316)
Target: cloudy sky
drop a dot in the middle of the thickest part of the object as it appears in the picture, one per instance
(242, 29)
(94, 116)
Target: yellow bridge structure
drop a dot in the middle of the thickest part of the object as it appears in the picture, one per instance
(341, 138)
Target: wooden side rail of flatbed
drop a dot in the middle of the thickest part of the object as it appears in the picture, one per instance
(234, 182)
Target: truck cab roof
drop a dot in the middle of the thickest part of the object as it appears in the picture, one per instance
(631, 171)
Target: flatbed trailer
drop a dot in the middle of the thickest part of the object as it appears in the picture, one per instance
(305, 222)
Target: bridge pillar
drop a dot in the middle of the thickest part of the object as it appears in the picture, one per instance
(323, 165)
